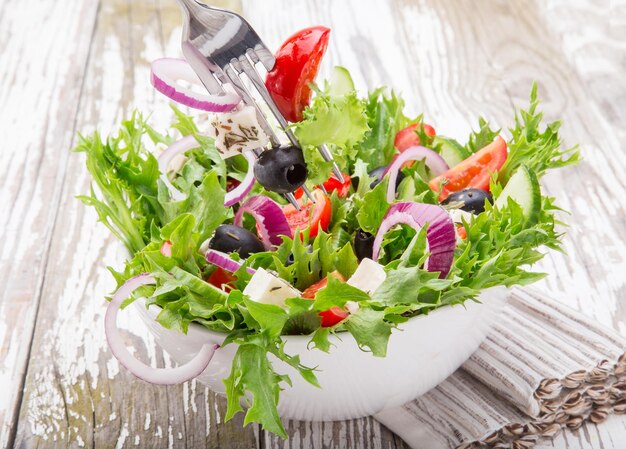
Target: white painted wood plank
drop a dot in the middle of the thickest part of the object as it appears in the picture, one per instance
(44, 48)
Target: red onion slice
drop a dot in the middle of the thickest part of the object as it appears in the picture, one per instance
(434, 162)
(237, 194)
(220, 259)
(189, 143)
(440, 236)
(271, 222)
(165, 159)
(164, 74)
(161, 376)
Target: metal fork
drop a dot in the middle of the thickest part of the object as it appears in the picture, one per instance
(221, 46)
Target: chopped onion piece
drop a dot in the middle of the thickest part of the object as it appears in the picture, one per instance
(165, 159)
(164, 74)
(237, 194)
(237, 131)
(189, 143)
(221, 260)
(434, 162)
(440, 236)
(271, 222)
(161, 376)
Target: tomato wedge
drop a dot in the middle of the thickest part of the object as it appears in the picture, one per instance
(333, 315)
(297, 63)
(407, 137)
(221, 279)
(316, 216)
(473, 172)
(333, 184)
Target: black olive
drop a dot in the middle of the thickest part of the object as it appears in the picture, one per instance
(363, 244)
(281, 170)
(378, 174)
(230, 238)
(473, 200)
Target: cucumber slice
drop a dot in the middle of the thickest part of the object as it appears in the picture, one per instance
(451, 151)
(341, 82)
(523, 188)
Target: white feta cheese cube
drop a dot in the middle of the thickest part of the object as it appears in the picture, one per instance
(458, 215)
(238, 131)
(266, 288)
(368, 276)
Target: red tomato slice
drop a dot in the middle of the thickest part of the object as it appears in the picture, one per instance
(460, 230)
(407, 137)
(311, 215)
(297, 63)
(333, 315)
(222, 279)
(333, 184)
(473, 172)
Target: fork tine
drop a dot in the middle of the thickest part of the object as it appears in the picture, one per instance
(258, 83)
(229, 75)
(263, 55)
(307, 192)
(328, 157)
(292, 199)
(253, 75)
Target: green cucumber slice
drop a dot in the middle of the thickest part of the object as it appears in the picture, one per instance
(524, 189)
(450, 150)
(341, 82)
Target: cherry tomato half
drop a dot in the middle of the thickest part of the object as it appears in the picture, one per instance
(221, 279)
(311, 215)
(333, 315)
(473, 172)
(407, 137)
(297, 63)
(333, 184)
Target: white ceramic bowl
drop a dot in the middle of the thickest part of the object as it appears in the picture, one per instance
(420, 355)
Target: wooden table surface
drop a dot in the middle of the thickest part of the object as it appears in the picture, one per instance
(69, 66)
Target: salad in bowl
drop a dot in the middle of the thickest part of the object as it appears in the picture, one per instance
(367, 289)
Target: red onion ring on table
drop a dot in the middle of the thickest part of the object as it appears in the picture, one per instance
(270, 219)
(189, 143)
(160, 376)
(433, 160)
(440, 236)
(164, 74)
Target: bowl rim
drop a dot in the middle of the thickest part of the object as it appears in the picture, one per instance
(151, 311)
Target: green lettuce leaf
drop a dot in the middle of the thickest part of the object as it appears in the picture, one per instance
(370, 330)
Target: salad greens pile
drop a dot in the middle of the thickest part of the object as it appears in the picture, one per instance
(132, 201)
